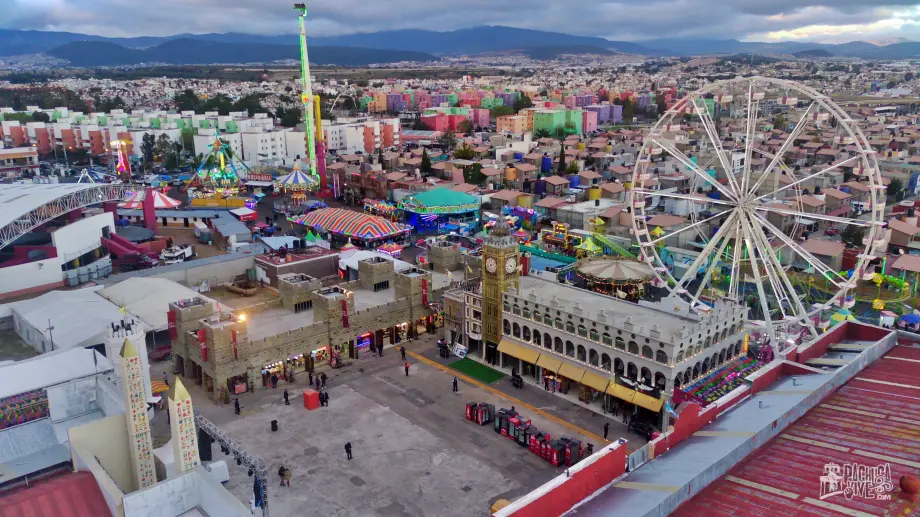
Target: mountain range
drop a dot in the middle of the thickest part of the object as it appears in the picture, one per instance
(398, 45)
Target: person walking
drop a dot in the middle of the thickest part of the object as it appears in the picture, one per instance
(326, 396)
(274, 381)
(407, 368)
(166, 379)
(348, 450)
(286, 401)
(546, 383)
(281, 471)
(287, 477)
(311, 378)
(236, 406)
(606, 429)
(402, 350)
(625, 416)
(323, 378)
(322, 399)
(455, 385)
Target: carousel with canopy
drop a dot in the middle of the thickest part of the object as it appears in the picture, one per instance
(297, 183)
(748, 204)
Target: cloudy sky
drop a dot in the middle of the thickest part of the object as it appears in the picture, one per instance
(830, 21)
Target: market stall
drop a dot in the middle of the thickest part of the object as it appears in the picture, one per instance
(380, 208)
(345, 225)
(392, 249)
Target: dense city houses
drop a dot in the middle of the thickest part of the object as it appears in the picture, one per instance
(560, 263)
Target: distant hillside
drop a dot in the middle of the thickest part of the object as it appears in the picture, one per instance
(817, 52)
(553, 52)
(192, 51)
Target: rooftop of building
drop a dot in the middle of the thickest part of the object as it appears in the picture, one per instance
(774, 456)
(74, 494)
(616, 311)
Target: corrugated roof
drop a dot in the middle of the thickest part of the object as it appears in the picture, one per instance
(25, 439)
(444, 197)
(72, 495)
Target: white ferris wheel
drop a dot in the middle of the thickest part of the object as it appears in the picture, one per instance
(750, 205)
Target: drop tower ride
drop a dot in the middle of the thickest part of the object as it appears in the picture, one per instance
(316, 149)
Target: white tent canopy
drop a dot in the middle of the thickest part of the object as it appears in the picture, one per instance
(50, 369)
(149, 298)
(79, 318)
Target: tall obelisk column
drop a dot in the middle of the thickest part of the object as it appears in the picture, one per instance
(136, 416)
(182, 422)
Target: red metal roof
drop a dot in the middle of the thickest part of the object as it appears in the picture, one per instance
(70, 495)
(871, 420)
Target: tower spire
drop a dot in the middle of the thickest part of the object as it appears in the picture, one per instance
(136, 417)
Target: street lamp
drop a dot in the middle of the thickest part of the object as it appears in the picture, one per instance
(50, 334)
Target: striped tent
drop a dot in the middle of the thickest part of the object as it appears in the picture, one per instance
(296, 180)
(350, 224)
(160, 201)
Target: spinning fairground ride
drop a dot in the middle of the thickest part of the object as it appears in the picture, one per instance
(754, 207)
(217, 176)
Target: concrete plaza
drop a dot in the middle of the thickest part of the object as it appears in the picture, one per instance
(414, 452)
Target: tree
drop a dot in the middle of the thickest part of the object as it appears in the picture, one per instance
(188, 138)
(501, 111)
(852, 236)
(572, 168)
(380, 156)
(251, 104)
(605, 97)
(465, 127)
(561, 168)
(288, 117)
(779, 122)
(629, 111)
(542, 133)
(40, 116)
(448, 140)
(908, 77)
(148, 143)
(895, 190)
(187, 101)
(426, 161)
(473, 174)
(162, 147)
(465, 152)
(523, 103)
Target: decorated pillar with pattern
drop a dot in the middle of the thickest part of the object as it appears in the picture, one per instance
(136, 416)
(182, 422)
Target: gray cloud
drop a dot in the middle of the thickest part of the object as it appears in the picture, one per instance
(613, 19)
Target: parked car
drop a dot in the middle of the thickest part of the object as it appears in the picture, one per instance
(833, 230)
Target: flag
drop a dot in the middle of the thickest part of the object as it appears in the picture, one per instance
(257, 492)
(123, 310)
(669, 409)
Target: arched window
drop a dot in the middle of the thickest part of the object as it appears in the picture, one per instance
(680, 357)
(506, 326)
(619, 367)
(737, 348)
(721, 357)
(660, 380)
(705, 367)
(506, 306)
(708, 342)
(678, 380)
(569, 349)
(606, 339)
(570, 327)
(516, 310)
(536, 338)
(724, 335)
(582, 354)
(660, 356)
(537, 317)
(633, 348)
(645, 376)
(557, 344)
(688, 375)
(620, 343)
(605, 362)
(631, 371)
(593, 358)
(594, 335)
(525, 333)
(559, 324)
(647, 352)
(582, 331)
(525, 312)
(547, 319)
(516, 330)
(547, 341)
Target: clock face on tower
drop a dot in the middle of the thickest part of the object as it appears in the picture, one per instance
(491, 265)
(510, 265)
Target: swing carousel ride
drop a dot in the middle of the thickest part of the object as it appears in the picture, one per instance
(217, 176)
(754, 208)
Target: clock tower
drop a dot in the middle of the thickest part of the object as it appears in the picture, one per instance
(500, 272)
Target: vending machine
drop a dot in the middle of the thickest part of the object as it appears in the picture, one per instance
(557, 453)
(484, 413)
(524, 434)
(508, 429)
(573, 450)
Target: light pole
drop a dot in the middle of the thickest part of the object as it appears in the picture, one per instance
(50, 329)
